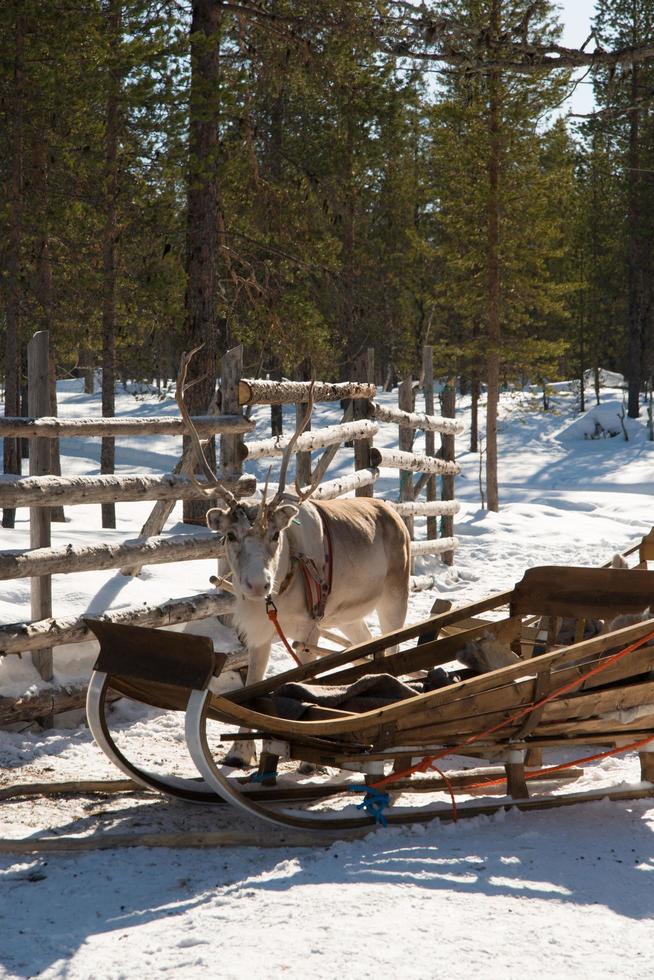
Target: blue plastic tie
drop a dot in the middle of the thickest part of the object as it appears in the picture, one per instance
(260, 777)
(374, 803)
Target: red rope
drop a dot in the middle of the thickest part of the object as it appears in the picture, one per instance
(427, 763)
(271, 613)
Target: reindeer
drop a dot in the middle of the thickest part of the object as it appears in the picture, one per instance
(321, 565)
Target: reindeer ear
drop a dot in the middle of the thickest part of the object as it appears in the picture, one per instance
(218, 519)
(281, 517)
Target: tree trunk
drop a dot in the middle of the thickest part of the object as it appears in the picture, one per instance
(43, 282)
(202, 241)
(109, 254)
(636, 258)
(12, 286)
(493, 296)
(474, 415)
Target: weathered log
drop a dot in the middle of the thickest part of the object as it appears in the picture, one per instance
(422, 583)
(54, 700)
(253, 391)
(45, 703)
(47, 491)
(416, 420)
(428, 508)
(336, 488)
(85, 558)
(412, 461)
(20, 637)
(437, 546)
(156, 425)
(318, 439)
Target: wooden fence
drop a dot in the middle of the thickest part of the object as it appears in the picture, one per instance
(41, 491)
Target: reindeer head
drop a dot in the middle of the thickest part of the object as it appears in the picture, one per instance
(252, 534)
(252, 531)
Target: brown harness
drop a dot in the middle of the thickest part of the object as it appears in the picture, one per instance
(317, 587)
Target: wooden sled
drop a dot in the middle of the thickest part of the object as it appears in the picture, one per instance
(489, 717)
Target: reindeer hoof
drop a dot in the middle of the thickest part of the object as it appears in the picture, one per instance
(309, 769)
(236, 762)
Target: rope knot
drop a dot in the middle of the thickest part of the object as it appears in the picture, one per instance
(374, 803)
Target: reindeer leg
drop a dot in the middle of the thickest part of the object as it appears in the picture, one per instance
(243, 752)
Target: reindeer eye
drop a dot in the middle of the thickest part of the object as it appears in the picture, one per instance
(230, 536)
(275, 536)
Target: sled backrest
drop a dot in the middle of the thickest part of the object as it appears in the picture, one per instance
(583, 593)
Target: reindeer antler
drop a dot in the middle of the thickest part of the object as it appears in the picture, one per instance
(180, 391)
(288, 452)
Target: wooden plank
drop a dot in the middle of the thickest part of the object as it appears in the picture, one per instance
(370, 647)
(583, 592)
(387, 716)
(38, 394)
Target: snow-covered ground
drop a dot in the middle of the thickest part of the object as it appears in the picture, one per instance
(564, 892)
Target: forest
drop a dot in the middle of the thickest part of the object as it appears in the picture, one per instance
(314, 178)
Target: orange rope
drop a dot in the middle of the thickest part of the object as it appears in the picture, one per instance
(271, 613)
(427, 763)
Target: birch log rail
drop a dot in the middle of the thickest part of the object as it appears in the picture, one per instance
(47, 491)
(19, 637)
(427, 508)
(412, 461)
(156, 425)
(308, 441)
(436, 546)
(86, 558)
(341, 485)
(416, 420)
(255, 392)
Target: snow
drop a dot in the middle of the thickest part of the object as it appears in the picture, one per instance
(568, 891)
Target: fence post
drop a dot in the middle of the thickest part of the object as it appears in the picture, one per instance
(364, 371)
(405, 404)
(303, 460)
(38, 400)
(448, 410)
(430, 448)
(231, 371)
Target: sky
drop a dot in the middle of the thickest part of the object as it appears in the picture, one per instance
(576, 17)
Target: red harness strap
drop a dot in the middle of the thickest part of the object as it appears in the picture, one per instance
(271, 613)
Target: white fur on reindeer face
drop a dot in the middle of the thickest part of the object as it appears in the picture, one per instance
(252, 547)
